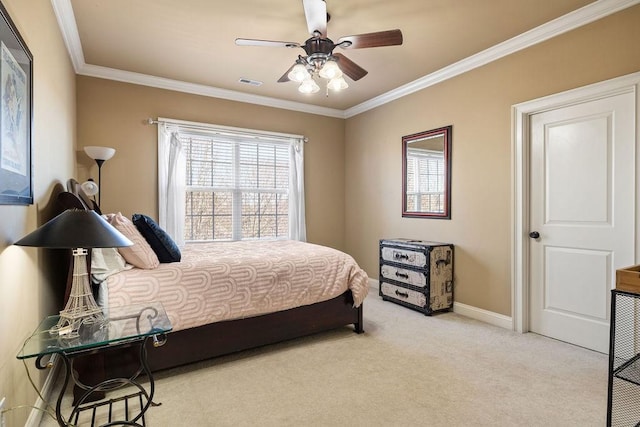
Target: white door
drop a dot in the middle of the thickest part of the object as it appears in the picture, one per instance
(582, 206)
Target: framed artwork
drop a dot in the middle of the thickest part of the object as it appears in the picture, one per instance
(16, 114)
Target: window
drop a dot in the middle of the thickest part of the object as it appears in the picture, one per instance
(221, 183)
(425, 182)
(235, 190)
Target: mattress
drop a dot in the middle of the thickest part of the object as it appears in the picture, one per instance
(218, 281)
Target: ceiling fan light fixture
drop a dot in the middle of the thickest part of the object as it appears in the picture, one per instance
(337, 84)
(330, 70)
(320, 61)
(309, 86)
(299, 73)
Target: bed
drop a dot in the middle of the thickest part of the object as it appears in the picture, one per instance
(219, 319)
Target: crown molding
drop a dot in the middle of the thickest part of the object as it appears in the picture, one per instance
(204, 90)
(585, 15)
(592, 12)
(67, 23)
(69, 29)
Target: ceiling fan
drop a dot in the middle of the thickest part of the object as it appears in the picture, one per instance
(320, 59)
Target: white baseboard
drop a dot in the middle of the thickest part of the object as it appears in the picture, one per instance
(476, 313)
(483, 315)
(47, 388)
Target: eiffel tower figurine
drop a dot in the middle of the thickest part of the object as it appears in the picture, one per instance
(81, 307)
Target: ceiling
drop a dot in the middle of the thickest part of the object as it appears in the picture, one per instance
(189, 45)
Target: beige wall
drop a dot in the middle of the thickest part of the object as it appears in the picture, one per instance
(353, 189)
(29, 287)
(113, 114)
(478, 105)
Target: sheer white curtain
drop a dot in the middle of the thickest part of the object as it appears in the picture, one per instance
(172, 177)
(297, 224)
(171, 183)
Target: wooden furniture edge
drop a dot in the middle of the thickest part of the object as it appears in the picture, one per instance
(628, 279)
(227, 337)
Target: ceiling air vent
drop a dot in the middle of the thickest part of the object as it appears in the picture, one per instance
(250, 82)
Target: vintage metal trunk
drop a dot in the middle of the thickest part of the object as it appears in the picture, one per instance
(417, 274)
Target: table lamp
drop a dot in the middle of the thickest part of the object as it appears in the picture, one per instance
(78, 230)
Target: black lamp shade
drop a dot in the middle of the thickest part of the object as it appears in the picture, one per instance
(75, 228)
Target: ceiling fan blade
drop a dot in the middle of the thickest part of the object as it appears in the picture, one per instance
(350, 68)
(285, 76)
(381, 38)
(316, 13)
(268, 43)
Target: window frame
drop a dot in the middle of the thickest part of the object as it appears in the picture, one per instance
(237, 190)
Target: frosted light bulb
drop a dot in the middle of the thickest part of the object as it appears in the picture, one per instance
(309, 86)
(298, 73)
(330, 70)
(337, 84)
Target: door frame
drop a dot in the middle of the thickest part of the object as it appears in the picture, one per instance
(520, 178)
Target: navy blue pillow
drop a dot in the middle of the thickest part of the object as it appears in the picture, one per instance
(161, 243)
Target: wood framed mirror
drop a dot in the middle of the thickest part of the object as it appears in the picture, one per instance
(426, 174)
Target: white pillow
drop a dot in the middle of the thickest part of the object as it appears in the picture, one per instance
(105, 262)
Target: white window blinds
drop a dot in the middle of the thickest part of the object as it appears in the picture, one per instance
(240, 186)
(235, 190)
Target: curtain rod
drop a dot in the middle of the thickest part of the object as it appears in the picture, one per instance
(223, 129)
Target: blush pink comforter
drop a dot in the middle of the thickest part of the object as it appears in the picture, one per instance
(230, 280)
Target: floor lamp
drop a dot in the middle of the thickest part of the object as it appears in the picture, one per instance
(78, 230)
(100, 155)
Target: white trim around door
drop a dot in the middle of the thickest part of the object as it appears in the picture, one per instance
(520, 118)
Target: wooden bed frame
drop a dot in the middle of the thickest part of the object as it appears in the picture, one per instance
(220, 338)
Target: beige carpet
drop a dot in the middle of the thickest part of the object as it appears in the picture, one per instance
(406, 370)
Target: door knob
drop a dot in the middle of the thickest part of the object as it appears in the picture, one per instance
(534, 234)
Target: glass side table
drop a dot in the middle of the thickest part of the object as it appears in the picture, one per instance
(124, 326)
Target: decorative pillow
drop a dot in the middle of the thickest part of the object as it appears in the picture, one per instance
(105, 262)
(140, 254)
(161, 243)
